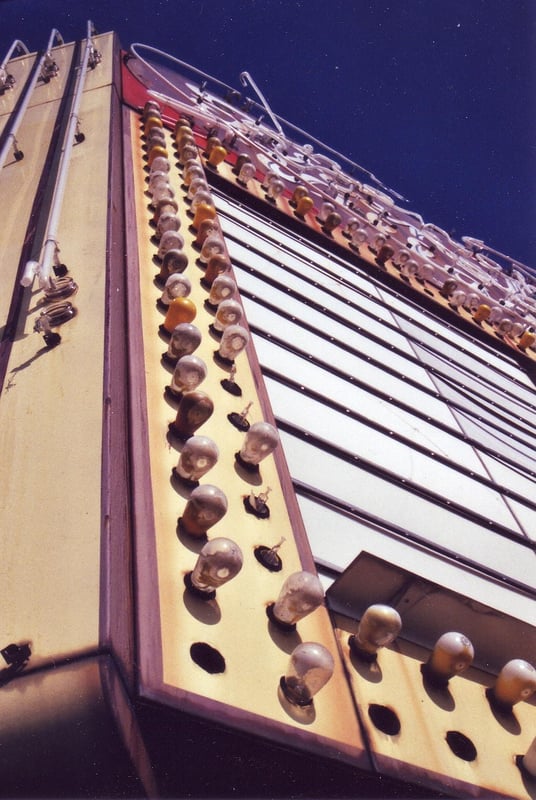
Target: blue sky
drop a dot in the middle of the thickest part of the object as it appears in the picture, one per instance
(435, 97)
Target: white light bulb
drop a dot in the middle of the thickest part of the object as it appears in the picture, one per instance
(300, 595)
(219, 561)
(184, 341)
(379, 626)
(260, 440)
(229, 313)
(189, 373)
(223, 287)
(310, 667)
(206, 506)
(234, 340)
(197, 457)
(170, 240)
(177, 285)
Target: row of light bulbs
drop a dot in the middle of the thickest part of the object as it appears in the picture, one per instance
(311, 664)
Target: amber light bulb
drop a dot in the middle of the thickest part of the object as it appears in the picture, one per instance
(216, 265)
(217, 156)
(304, 205)
(206, 228)
(453, 653)
(300, 595)
(202, 212)
(379, 626)
(195, 408)
(181, 309)
(206, 506)
(310, 667)
(219, 561)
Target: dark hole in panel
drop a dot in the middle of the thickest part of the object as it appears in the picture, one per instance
(207, 657)
(461, 745)
(384, 719)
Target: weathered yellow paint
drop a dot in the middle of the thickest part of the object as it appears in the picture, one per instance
(51, 405)
(426, 714)
(236, 624)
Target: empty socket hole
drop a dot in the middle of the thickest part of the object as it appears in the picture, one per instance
(207, 657)
(384, 719)
(461, 746)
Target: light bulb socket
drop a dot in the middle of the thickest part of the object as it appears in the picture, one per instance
(193, 590)
(359, 652)
(257, 507)
(268, 558)
(239, 422)
(285, 627)
(431, 678)
(292, 696)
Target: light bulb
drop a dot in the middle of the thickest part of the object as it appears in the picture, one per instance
(170, 240)
(527, 339)
(247, 172)
(299, 192)
(403, 256)
(448, 288)
(167, 222)
(197, 457)
(528, 761)
(187, 151)
(410, 267)
(156, 151)
(242, 159)
(326, 209)
(213, 245)
(229, 313)
(161, 191)
(223, 287)
(155, 136)
(202, 212)
(235, 339)
(151, 105)
(205, 229)
(331, 222)
(219, 561)
(516, 681)
(206, 506)
(505, 325)
(174, 261)
(160, 164)
(198, 184)
(195, 408)
(201, 197)
(517, 329)
(481, 313)
(260, 440)
(212, 142)
(352, 225)
(310, 667)
(453, 653)
(184, 341)
(472, 301)
(457, 298)
(300, 595)
(304, 205)
(275, 188)
(217, 156)
(153, 121)
(194, 172)
(181, 309)
(177, 285)
(385, 253)
(379, 626)
(217, 265)
(165, 205)
(189, 372)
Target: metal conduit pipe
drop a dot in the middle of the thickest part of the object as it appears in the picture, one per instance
(16, 45)
(14, 125)
(50, 247)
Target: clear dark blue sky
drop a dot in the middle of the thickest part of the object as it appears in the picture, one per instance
(435, 97)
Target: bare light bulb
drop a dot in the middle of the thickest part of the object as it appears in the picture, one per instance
(195, 408)
(177, 285)
(219, 561)
(516, 682)
(300, 595)
(247, 172)
(310, 667)
(201, 197)
(167, 221)
(453, 653)
(184, 341)
(260, 440)
(212, 246)
(275, 188)
(379, 626)
(206, 506)
(223, 287)
(216, 265)
(197, 457)
(170, 240)
(189, 373)
(206, 228)
(229, 313)
(197, 184)
(234, 340)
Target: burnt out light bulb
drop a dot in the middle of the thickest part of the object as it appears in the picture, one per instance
(206, 506)
(184, 341)
(189, 372)
(177, 285)
(219, 561)
(453, 653)
(310, 667)
(223, 287)
(260, 440)
(234, 340)
(195, 408)
(379, 626)
(197, 457)
(217, 265)
(515, 682)
(300, 595)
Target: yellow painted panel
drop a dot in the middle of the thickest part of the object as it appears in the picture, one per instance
(235, 623)
(426, 715)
